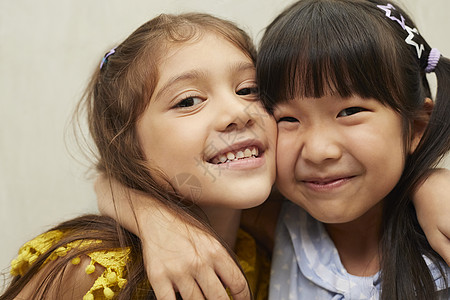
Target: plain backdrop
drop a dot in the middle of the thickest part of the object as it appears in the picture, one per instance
(48, 49)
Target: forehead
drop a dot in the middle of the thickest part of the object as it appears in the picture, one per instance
(202, 59)
(206, 47)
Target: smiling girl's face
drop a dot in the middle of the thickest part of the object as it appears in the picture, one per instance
(205, 128)
(338, 158)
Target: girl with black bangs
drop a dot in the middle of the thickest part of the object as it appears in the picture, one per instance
(324, 66)
(357, 133)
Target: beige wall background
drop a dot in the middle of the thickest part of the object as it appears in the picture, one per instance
(48, 50)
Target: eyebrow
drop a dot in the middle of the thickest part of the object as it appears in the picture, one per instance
(196, 74)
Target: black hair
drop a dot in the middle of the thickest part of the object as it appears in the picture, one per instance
(349, 47)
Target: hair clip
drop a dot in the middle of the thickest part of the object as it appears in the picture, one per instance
(105, 58)
(391, 12)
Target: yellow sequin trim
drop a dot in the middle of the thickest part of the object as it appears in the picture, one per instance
(106, 285)
(255, 263)
(112, 279)
(31, 250)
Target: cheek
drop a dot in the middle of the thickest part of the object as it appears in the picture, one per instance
(271, 131)
(287, 163)
(168, 147)
(263, 121)
(381, 151)
(287, 156)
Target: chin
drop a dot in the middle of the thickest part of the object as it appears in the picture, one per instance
(331, 219)
(248, 198)
(333, 216)
(259, 197)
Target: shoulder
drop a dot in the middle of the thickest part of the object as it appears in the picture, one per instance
(440, 273)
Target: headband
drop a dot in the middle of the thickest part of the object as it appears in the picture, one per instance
(428, 58)
(105, 58)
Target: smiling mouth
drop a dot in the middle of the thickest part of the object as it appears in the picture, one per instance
(324, 182)
(327, 183)
(235, 155)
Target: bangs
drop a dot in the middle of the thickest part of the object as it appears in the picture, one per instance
(326, 48)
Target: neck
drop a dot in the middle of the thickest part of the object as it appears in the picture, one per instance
(358, 242)
(225, 222)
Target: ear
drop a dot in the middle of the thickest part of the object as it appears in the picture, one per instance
(420, 124)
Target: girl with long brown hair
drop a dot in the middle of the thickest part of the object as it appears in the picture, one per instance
(174, 113)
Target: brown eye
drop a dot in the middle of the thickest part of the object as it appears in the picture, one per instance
(247, 91)
(350, 111)
(189, 101)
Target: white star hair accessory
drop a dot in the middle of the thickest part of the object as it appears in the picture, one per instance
(409, 40)
(389, 9)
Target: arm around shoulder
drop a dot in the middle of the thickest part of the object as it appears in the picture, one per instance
(432, 203)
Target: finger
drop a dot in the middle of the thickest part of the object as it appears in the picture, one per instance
(211, 285)
(189, 289)
(240, 292)
(232, 277)
(163, 288)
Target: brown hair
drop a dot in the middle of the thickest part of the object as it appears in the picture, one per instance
(349, 47)
(119, 93)
(115, 98)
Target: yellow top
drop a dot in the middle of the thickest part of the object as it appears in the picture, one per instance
(253, 259)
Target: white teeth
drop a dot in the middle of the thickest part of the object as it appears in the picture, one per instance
(239, 154)
(230, 156)
(247, 152)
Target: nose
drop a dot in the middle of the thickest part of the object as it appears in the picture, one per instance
(321, 144)
(235, 114)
